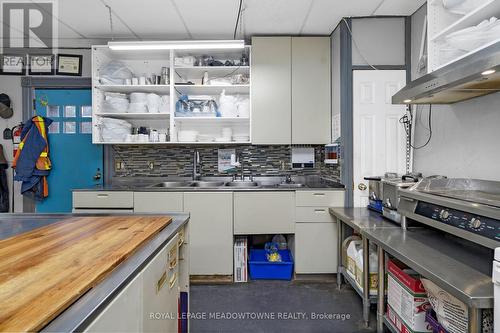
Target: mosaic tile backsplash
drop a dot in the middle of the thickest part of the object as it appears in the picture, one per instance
(177, 161)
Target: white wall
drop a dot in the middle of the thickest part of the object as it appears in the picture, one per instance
(466, 135)
(11, 85)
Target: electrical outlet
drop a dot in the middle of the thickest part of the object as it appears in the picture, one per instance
(151, 165)
(119, 165)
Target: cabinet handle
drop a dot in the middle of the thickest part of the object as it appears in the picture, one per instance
(172, 263)
(102, 195)
(319, 194)
(161, 282)
(172, 281)
(320, 210)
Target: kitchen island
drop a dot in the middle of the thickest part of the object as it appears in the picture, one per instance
(139, 253)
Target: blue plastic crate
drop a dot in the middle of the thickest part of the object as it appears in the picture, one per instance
(261, 269)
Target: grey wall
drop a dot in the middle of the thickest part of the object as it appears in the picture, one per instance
(335, 54)
(11, 85)
(380, 40)
(466, 135)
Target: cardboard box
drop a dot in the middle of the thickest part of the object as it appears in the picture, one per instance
(406, 298)
(240, 259)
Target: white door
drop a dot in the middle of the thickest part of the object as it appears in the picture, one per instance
(379, 138)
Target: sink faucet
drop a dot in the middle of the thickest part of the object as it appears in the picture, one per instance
(196, 162)
(237, 161)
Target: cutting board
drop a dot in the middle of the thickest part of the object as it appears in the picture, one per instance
(45, 270)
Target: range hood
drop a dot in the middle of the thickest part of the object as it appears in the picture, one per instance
(475, 75)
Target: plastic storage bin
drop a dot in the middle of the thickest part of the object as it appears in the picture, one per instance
(261, 269)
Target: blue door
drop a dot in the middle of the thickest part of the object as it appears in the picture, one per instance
(75, 160)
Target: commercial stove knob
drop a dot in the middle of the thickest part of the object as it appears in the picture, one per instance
(475, 223)
(444, 214)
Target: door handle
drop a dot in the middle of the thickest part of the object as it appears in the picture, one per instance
(362, 187)
(98, 174)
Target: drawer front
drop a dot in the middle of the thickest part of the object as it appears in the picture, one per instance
(103, 199)
(313, 214)
(319, 198)
(158, 202)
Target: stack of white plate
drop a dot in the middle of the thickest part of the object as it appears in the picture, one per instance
(205, 138)
(187, 136)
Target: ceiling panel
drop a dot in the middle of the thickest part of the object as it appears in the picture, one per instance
(274, 17)
(209, 19)
(215, 19)
(398, 7)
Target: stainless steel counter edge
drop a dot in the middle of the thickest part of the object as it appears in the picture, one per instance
(81, 313)
(362, 218)
(463, 294)
(208, 189)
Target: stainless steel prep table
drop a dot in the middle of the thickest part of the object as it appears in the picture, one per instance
(462, 270)
(359, 219)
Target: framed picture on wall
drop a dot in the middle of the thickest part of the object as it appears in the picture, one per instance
(69, 64)
(41, 64)
(12, 64)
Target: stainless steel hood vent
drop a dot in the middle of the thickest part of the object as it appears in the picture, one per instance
(473, 76)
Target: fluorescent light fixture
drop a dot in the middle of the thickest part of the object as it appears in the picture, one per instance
(177, 45)
(488, 72)
(407, 101)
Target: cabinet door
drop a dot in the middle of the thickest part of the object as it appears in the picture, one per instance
(158, 296)
(311, 93)
(158, 202)
(210, 232)
(124, 313)
(264, 212)
(271, 93)
(315, 248)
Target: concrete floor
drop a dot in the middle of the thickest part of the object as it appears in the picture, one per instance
(293, 305)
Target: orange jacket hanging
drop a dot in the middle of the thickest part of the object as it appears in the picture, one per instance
(32, 162)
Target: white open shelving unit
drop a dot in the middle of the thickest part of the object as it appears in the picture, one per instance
(441, 23)
(148, 62)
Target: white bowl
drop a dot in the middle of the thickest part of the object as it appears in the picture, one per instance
(137, 108)
(138, 97)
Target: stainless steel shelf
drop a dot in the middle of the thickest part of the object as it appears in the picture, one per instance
(459, 268)
(354, 285)
(389, 325)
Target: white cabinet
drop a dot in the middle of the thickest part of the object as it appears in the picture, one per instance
(320, 198)
(442, 21)
(316, 231)
(271, 94)
(124, 313)
(149, 302)
(158, 202)
(291, 94)
(315, 248)
(161, 291)
(264, 212)
(103, 199)
(210, 232)
(311, 93)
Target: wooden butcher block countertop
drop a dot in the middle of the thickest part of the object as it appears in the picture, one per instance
(45, 270)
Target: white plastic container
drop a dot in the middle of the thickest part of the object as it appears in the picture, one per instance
(352, 253)
(373, 269)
